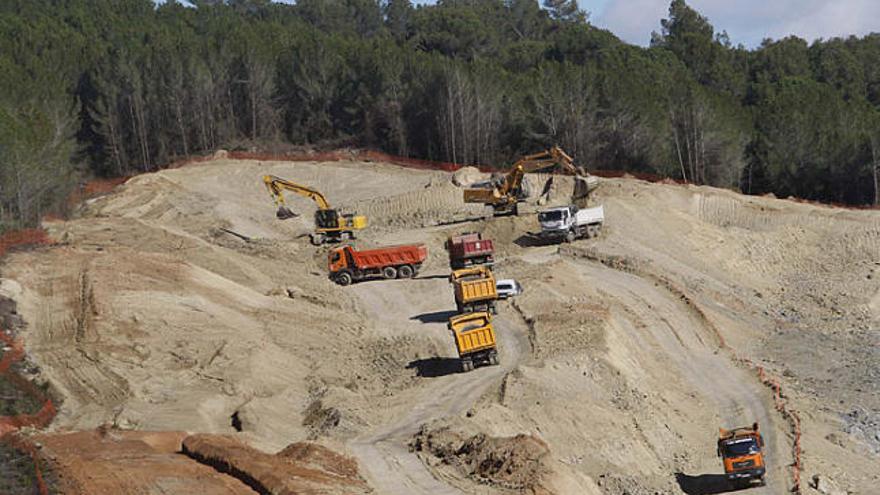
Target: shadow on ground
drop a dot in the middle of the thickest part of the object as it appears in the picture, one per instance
(704, 484)
(435, 317)
(530, 240)
(435, 367)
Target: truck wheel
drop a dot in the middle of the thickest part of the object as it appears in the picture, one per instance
(405, 271)
(466, 365)
(493, 358)
(593, 231)
(316, 239)
(389, 272)
(344, 279)
(569, 236)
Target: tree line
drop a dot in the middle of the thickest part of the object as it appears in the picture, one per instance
(116, 87)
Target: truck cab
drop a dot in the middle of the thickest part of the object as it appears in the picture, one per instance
(567, 223)
(741, 451)
(338, 259)
(556, 220)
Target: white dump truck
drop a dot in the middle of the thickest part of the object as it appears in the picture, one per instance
(567, 223)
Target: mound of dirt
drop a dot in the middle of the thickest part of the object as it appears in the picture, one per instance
(515, 463)
(323, 472)
(466, 176)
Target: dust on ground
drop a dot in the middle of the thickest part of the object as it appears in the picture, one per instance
(150, 316)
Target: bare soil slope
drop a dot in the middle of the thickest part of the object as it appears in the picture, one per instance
(150, 316)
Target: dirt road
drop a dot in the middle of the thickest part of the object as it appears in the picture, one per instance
(654, 316)
(383, 453)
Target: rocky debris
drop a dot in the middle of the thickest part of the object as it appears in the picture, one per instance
(515, 463)
(826, 486)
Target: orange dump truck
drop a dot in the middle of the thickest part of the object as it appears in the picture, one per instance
(741, 450)
(469, 249)
(347, 265)
(474, 339)
(475, 289)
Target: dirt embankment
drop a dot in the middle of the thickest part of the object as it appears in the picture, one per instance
(108, 460)
(299, 468)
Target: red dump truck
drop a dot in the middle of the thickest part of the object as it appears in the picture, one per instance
(347, 265)
(469, 249)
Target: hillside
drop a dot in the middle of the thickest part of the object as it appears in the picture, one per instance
(618, 363)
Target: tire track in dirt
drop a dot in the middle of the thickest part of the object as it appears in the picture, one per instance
(383, 453)
(675, 327)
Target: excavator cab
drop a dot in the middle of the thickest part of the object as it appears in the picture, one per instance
(327, 219)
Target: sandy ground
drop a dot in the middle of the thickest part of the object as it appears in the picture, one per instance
(149, 316)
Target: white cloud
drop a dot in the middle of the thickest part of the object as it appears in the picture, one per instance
(747, 21)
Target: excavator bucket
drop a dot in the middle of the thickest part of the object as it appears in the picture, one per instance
(284, 213)
(583, 186)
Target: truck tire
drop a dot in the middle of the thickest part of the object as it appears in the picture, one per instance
(405, 271)
(467, 364)
(593, 231)
(316, 239)
(343, 278)
(389, 272)
(493, 358)
(570, 236)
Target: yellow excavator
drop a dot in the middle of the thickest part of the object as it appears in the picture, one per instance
(330, 225)
(504, 193)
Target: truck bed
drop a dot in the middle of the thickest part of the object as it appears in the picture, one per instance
(589, 216)
(468, 291)
(411, 254)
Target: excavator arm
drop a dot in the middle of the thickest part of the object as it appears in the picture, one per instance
(539, 161)
(277, 185)
(508, 190)
(330, 225)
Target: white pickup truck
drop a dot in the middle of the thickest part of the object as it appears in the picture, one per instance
(567, 223)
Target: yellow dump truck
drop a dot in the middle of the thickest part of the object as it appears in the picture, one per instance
(474, 339)
(475, 289)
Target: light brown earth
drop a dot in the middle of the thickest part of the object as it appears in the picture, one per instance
(149, 316)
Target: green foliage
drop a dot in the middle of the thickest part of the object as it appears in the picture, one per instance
(114, 87)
